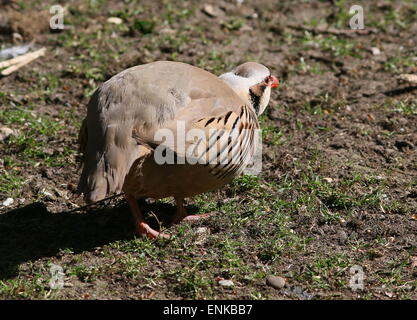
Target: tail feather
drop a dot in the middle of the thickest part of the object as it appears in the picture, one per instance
(104, 171)
(108, 152)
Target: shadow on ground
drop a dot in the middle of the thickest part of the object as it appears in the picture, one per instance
(32, 232)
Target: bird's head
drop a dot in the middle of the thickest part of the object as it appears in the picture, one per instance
(252, 82)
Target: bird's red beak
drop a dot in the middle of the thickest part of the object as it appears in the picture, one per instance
(273, 82)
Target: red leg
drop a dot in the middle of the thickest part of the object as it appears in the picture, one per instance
(181, 214)
(142, 228)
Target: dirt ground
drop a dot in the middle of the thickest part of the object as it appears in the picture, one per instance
(338, 187)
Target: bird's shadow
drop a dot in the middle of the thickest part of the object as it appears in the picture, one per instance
(32, 232)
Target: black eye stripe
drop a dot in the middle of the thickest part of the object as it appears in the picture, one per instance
(255, 99)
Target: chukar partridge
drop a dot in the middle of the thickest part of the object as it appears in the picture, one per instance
(136, 136)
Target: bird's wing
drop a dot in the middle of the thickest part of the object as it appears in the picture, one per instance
(225, 143)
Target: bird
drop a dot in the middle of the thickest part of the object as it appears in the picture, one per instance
(136, 137)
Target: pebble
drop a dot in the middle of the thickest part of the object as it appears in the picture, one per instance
(275, 282)
(375, 51)
(8, 202)
(201, 234)
(114, 20)
(226, 283)
(411, 78)
(209, 10)
(5, 133)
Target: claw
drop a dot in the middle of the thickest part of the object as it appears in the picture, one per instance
(143, 229)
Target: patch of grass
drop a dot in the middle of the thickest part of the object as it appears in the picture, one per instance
(10, 182)
(243, 184)
(20, 288)
(190, 282)
(131, 264)
(144, 26)
(400, 18)
(342, 15)
(272, 135)
(32, 142)
(330, 271)
(395, 272)
(234, 24)
(324, 104)
(305, 68)
(175, 14)
(408, 106)
(213, 61)
(85, 273)
(336, 45)
(399, 64)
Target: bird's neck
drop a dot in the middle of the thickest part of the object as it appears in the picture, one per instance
(240, 86)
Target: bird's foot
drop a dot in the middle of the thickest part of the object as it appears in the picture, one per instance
(143, 229)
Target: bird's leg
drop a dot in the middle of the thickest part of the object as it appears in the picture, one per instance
(181, 213)
(142, 228)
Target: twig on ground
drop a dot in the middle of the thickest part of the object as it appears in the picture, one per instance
(16, 63)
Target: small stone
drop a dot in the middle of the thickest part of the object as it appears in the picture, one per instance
(209, 10)
(375, 51)
(410, 78)
(275, 282)
(329, 180)
(8, 202)
(5, 133)
(201, 233)
(114, 20)
(226, 283)
(17, 37)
